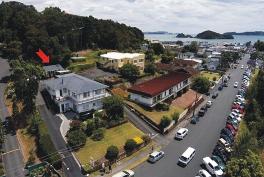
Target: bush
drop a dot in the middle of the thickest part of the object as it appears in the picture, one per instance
(75, 125)
(76, 138)
(130, 146)
(89, 127)
(98, 134)
(175, 116)
(162, 107)
(130, 72)
(114, 109)
(112, 153)
(164, 122)
(214, 78)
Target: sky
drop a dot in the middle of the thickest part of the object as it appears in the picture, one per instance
(186, 16)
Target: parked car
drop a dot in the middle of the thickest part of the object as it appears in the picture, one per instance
(227, 146)
(220, 88)
(215, 95)
(194, 119)
(225, 84)
(204, 173)
(230, 131)
(181, 133)
(219, 161)
(242, 66)
(220, 153)
(235, 84)
(227, 132)
(187, 156)
(155, 156)
(212, 166)
(125, 173)
(209, 103)
(202, 111)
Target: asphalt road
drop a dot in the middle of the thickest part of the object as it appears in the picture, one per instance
(202, 136)
(53, 123)
(12, 156)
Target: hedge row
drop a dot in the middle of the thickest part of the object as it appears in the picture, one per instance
(81, 67)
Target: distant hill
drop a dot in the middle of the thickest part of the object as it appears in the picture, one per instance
(213, 35)
(181, 35)
(256, 33)
(156, 32)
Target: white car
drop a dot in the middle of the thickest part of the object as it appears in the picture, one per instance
(204, 173)
(236, 84)
(181, 133)
(209, 103)
(242, 66)
(212, 166)
(155, 156)
(125, 173)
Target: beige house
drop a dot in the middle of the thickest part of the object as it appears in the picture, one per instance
(115, 60)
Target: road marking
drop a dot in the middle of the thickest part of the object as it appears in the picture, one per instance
(10, 151)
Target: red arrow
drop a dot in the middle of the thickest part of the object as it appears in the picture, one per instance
(43, 56)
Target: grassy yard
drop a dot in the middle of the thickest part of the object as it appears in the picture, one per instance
(210, 75)
(155, 115)
(115, 136)
(91, 57)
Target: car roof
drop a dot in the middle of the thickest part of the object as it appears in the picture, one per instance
(188, 151)
(155, 153)
(181, 130)
(209, 160)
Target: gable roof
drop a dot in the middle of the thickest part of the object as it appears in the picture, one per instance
(75, 83)
(156, 86)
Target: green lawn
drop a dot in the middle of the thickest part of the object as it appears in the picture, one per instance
(155, 115)
(91, 57)
(210, 75)
(115, 136)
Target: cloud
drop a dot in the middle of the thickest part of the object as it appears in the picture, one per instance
(188, 16)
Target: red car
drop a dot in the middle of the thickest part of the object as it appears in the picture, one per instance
(231, 128)
(230, 125)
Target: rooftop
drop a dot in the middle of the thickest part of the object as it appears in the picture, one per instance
(56, 67)
(156, 86)
(75, 83)
(118, 55)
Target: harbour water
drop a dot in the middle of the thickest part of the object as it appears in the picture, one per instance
(237, 38)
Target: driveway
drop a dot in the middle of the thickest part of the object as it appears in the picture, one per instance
(202, 137)
(12, 157)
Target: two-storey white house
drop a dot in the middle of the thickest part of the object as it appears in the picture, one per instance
(159, 89)
(76, 93)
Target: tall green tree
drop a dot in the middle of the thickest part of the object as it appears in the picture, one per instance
(114, 109)
(130, 72)
(201, 84)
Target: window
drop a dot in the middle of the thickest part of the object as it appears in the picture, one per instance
(141, 60)
(135, 61)
(121, 60)
(86, 94)
(185, 82)
(94, 104)
(170, 91)
(64, 90)
(97, 92)
(74, 95)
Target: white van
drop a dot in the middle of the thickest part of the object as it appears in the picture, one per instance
(187, 156)
(155, 156)
(212, 166)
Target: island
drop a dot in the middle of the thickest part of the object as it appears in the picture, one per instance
(248, 33)
(213, 35)
(181, 35)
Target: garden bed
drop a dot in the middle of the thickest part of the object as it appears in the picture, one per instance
(212, 76)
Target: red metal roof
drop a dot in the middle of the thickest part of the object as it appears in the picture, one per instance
(156, 86)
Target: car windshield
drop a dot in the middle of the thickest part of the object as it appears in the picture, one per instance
(183, 158)
(217, 168)
(126, 173)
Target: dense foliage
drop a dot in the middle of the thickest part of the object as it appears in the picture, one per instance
(129, 72)
(213, 35)
(76, 138)
(24, 30)
(228, 57)
(130, 145)
(259, 45)
(114, 109)
(112, 153)
(201, 84)
(193, 47)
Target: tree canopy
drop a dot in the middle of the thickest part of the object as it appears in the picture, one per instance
(24, 30)
(130, 72)
(113, 106)
(201, 84)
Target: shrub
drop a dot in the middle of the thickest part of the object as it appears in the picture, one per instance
(75, 125)
(112, 153)
(175, 117)
(162, 107)
(164, 122)
(130, 146)
(98, 134)
(76, 138)
(214, 78)
(89, 127)
(113, 106)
